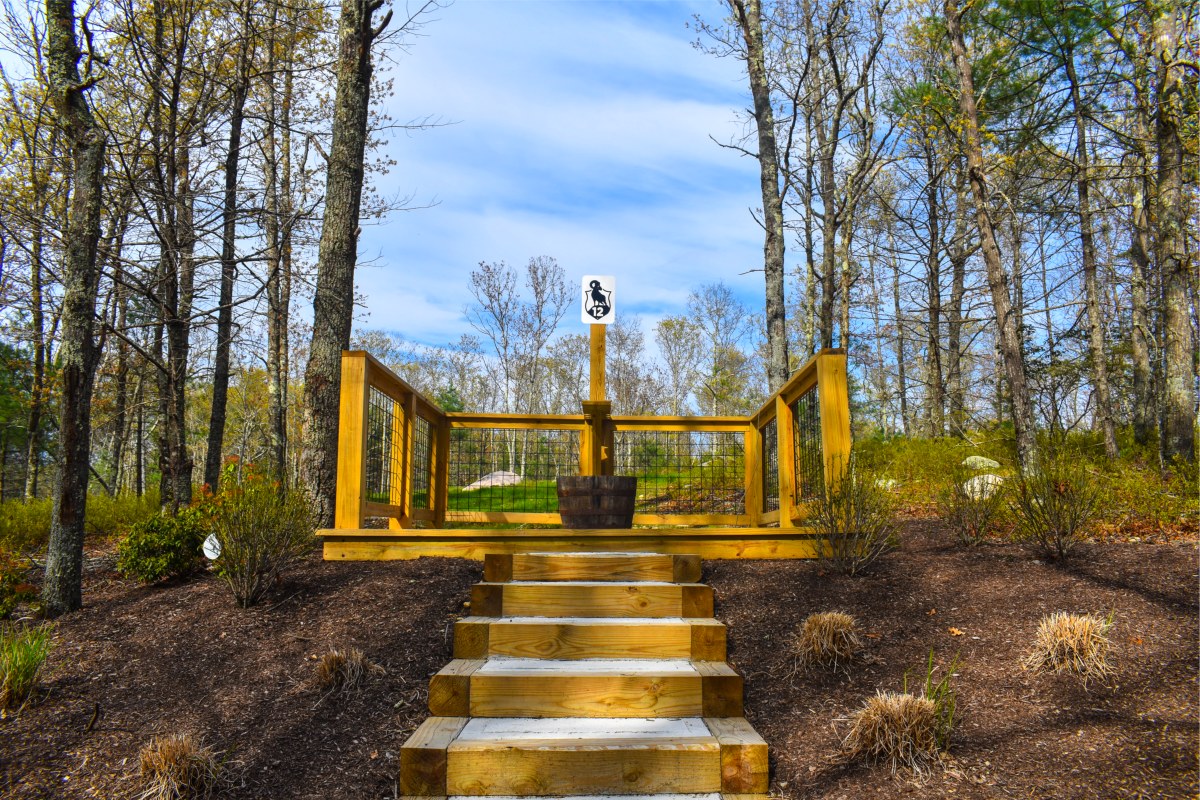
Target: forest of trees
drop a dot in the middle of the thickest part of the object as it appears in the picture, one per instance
(992, 207)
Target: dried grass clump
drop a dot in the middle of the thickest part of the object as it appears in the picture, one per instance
(898, 729)
(828, 639)
(178, 767)
(345, 670)
(1075, 643)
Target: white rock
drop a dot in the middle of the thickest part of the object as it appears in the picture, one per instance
(983, 486)
(500, 478)
(979, 462)
(887, 484)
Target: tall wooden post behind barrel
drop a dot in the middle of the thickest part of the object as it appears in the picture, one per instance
(596, 501)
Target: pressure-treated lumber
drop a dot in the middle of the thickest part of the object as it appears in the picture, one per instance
(744, 765)
(591, 567)
(581, 757)
(591, 599)
(536, 637)
(520, 687)
(474, 543)
(423, 756)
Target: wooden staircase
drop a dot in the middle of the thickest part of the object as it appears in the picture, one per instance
(585, 674)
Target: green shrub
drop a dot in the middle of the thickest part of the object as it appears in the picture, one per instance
(22, 653)
(970, 509)
(1054, 504)
(24, 525)
(110, 516)
(14, 583)
(262, 531)
(162, 547)
(855, 517)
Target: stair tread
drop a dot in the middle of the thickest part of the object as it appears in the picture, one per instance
(505, 665)
(596, 621)
(585, 731)
(708, 796)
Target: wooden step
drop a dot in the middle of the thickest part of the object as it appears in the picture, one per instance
(524, 757)
(590, 637)
(708, 796)
(591, 599)
(524, 687)
(591, 567)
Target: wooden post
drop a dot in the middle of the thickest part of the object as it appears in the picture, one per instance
(352, 441)
(394, 455)
(786, 452)
(441, 474)
(834, 398)
(597, 438)
(754, 475)
(599, 356)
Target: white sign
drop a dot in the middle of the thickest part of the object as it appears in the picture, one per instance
(599, 300)
(212, 547)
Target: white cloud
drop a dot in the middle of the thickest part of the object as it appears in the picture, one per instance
(581, 132)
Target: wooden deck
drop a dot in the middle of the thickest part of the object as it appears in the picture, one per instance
(474, 543)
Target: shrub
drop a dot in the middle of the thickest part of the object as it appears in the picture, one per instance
(24, 525)
(109, 516)
(162, 547)
(1054, 504)
(178, 766)
(972, 514)
(854, 516)
(902, 729)
(828, 639)
(262, 531)
(22, 653)
(14, 586)
(344, 670)
(1075, 643)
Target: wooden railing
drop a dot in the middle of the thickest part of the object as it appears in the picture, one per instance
(402, 458)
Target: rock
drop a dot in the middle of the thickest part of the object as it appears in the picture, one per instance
(983, 486)
(499, 478)
(979, 462)
(887, 484)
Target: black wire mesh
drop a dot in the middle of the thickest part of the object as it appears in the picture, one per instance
(422, 467)
(385, 448)
(497, 469)
(683, 472)
(806, 435)
(770, 465)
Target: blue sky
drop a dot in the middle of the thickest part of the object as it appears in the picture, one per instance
(581, 131)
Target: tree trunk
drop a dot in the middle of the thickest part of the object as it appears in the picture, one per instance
(333, 302)
(62, 589)
(39, 391)
(749, 17)
(220, 390)
(1178, 434)
(1087, 242)
(933, 281)
(1008, 337)
(958, 254)
(901, 377)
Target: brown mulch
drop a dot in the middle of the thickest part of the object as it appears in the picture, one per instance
(183, 658)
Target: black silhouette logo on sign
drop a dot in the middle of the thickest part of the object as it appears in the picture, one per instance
(598, 301)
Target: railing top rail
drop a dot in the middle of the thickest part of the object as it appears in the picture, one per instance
(393, 385)
(468, 419)
(801, 381)
(630, 422)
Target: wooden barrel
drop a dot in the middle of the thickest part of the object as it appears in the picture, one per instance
(596, 501)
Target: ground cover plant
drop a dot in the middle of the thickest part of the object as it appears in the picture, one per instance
(828, 639)
(243, 679)
(178, 766)
(1074, 643)
(23, 652)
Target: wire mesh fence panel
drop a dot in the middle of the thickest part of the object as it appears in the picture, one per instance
(385, 447)
(770, 465)
(682, 472)
(497, 469)
(806, 435)
(422, 466)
